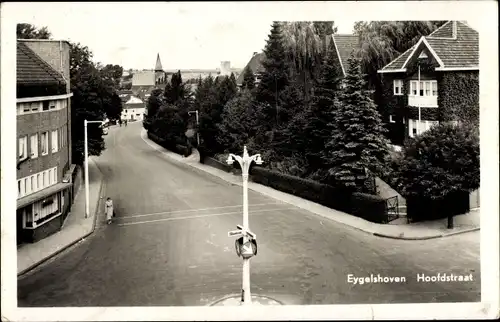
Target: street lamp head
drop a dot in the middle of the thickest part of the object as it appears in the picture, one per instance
(230, 160)
(258, 160)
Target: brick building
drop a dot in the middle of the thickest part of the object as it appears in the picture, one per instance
(434, 81)
(44, 168)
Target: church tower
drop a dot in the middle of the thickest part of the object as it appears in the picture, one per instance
(160, 75)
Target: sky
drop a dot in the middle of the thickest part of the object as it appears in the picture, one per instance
(187, 35)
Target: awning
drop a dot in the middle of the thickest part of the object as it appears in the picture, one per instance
(24, 201)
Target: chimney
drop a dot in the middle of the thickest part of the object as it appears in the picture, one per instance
(454, 30)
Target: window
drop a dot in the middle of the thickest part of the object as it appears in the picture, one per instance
(45, 143)
(26, 186)
(54, 141)
(52, 105)
(44, 184)
(34, 146)
(18, 188)
(39, 185)
(54, 179)
(391, 119)
(49, 179)
(35, 107)
(421, 89)
(427, 88)
(413, 127)
(45, 105)
(413, 88)
(398, 87)
(434, 88)
(23, 147)
(26, 107)
(33, 186)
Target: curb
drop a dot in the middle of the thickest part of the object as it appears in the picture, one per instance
(381, 235)
(428, 237)
(27, 270)
(239, 296)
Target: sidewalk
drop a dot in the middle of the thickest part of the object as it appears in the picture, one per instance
(75, 228)
(396, 230)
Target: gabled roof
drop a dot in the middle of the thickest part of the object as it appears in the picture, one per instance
(134, 100)
(454, 45)
(345, 45)
(33, 70)
(255, 64)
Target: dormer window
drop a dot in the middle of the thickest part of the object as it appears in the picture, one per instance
(398, 87)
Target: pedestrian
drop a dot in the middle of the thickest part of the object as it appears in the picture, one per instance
(109, 210)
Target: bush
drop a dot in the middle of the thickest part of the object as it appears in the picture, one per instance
(217, 164)
(171, 146)
(369, 207)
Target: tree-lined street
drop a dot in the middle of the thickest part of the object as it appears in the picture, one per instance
(169, 246)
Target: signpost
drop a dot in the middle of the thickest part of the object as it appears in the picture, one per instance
(246, 245)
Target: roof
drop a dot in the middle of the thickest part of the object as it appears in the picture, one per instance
(158, 66)
(134, 100)
(144, 78)
(255, 64)
(345, 45)
(454, 49)
(33, 70)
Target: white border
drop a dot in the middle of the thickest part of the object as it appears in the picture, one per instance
(400, 10)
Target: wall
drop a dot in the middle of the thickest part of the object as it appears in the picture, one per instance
(459, 96)
(28, 124)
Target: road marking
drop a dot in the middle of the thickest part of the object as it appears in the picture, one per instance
(194, 210)
(199, 216)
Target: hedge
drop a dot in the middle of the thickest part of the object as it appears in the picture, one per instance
(369, 207)
(217, 164)
(423, 209)
(176, 148)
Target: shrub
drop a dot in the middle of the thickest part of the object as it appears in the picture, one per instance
(436, 167)
(369, 207)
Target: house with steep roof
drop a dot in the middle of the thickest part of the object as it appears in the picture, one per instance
(434, 81)
(255, 65)
(45, 173)
(343, 47)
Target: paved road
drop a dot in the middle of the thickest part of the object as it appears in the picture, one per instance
(169, 247)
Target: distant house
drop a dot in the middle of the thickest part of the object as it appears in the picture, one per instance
(436, 80)
(343, 47)
(255, 64)
(133, 110)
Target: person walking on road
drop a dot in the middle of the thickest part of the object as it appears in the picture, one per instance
(109, 210)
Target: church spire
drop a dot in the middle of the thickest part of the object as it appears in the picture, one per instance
(158, 67)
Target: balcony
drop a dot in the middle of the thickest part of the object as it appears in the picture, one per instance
(423, 101)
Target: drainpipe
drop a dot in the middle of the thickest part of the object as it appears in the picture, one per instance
(419, 109)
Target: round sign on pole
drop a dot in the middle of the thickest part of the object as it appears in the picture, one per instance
(189, 133)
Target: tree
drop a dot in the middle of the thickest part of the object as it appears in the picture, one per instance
(237, 122)
(210, 110)
(248, 79)
(357, 143)
(28, 31)
(320, 117)
(154, 103)
(275, 75)
(441, 161)
(112, 74)
(92, 99)
(438, 170)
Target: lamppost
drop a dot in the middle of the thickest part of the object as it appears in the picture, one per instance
(86, 152)
(197, 127)
(245, 162)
